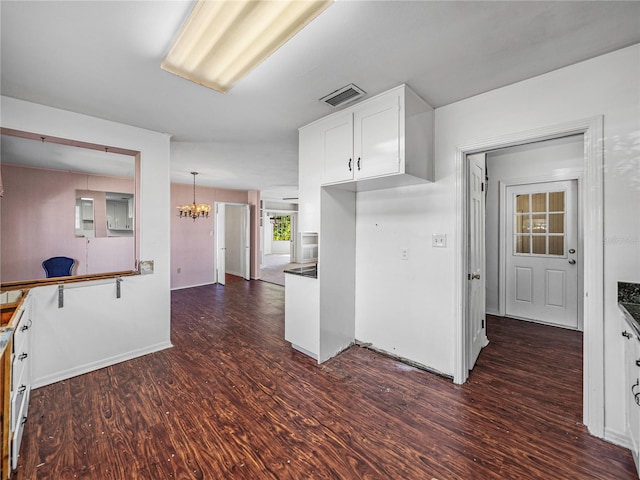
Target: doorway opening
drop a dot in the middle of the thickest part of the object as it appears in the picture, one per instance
(279, 243)
(591, 221)
(232, 241)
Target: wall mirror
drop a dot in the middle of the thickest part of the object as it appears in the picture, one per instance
(66, 198)
(104, 214)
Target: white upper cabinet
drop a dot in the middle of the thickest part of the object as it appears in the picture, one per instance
(376, 137)
(385, 141)
(337, 148)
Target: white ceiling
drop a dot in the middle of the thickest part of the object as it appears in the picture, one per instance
(103, 59)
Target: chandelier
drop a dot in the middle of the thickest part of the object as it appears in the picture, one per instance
(194, 210)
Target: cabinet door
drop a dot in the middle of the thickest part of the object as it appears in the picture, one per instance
(632, 349)
(337, 149)
(121, 216)
(376, 136)
(111, 215)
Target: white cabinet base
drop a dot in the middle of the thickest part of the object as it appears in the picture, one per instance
(302, 314)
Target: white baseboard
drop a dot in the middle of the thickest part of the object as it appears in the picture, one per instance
(617, 438)
(97, 365)
(192, 286)
(492, 312)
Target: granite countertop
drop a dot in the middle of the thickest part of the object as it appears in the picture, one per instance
(629, 303)
(310, 271)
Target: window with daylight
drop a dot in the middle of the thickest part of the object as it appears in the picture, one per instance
(281, 228)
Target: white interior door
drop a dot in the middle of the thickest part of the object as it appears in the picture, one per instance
(246, 242)
(541, 257)
(476, 315)
(220, 243)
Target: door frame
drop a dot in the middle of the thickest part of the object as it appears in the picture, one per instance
(502, 235)
(591, 214)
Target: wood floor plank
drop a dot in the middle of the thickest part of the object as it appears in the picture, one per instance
(233, 400)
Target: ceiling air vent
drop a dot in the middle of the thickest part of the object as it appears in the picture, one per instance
(343, 95)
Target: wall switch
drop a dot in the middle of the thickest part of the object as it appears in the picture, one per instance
(404, 254)
(439, 240)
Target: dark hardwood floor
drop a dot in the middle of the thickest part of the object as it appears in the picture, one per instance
(233, 400)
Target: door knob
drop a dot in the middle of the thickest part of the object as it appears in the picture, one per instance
(572, 262)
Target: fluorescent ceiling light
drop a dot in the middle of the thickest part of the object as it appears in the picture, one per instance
(222, 41)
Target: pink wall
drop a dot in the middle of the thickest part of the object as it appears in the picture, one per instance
(192, 242)
(38, 222)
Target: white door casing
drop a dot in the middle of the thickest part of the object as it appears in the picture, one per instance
(220, 243)
(246, 240)
(541, 239)
(476, 272)
(591, 217)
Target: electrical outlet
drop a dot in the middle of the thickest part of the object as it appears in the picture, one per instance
(404, 254)
(439, 240)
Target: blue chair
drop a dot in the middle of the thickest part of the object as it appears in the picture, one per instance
(58, 266)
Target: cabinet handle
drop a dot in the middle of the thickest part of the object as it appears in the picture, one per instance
(637, 398)
(22, 356)
(638, 363)
(24, 420)
(358, 163)
(24, 328)
(626, 334)
(350, 164)
(634, 386)
(22, 389)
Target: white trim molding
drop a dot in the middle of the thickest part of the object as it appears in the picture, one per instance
(591, 216)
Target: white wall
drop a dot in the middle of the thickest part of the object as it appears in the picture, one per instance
(553, 157)
(280, 247)
(422, 288)
(143, 316)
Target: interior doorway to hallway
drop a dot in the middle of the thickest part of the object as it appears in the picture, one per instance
(533, 259)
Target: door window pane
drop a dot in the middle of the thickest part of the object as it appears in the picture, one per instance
(556, 201)
(539, 202)
(539, 223)
(539, 243)
(556, 223)
(556, 245)
(523, 225)
(522, 244)
(522, 203)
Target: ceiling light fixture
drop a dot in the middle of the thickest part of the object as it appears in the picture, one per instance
(194, 210)
(222, 41)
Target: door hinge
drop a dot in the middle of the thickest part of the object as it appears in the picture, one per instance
(483, 323)
(482, 187)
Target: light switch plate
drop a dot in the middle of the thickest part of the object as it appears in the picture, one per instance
(439, 240)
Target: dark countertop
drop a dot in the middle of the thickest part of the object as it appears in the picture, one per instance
(310, 271)
(629, 303)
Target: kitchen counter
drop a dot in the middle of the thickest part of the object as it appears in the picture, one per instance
(310, 271)
(629, 303)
